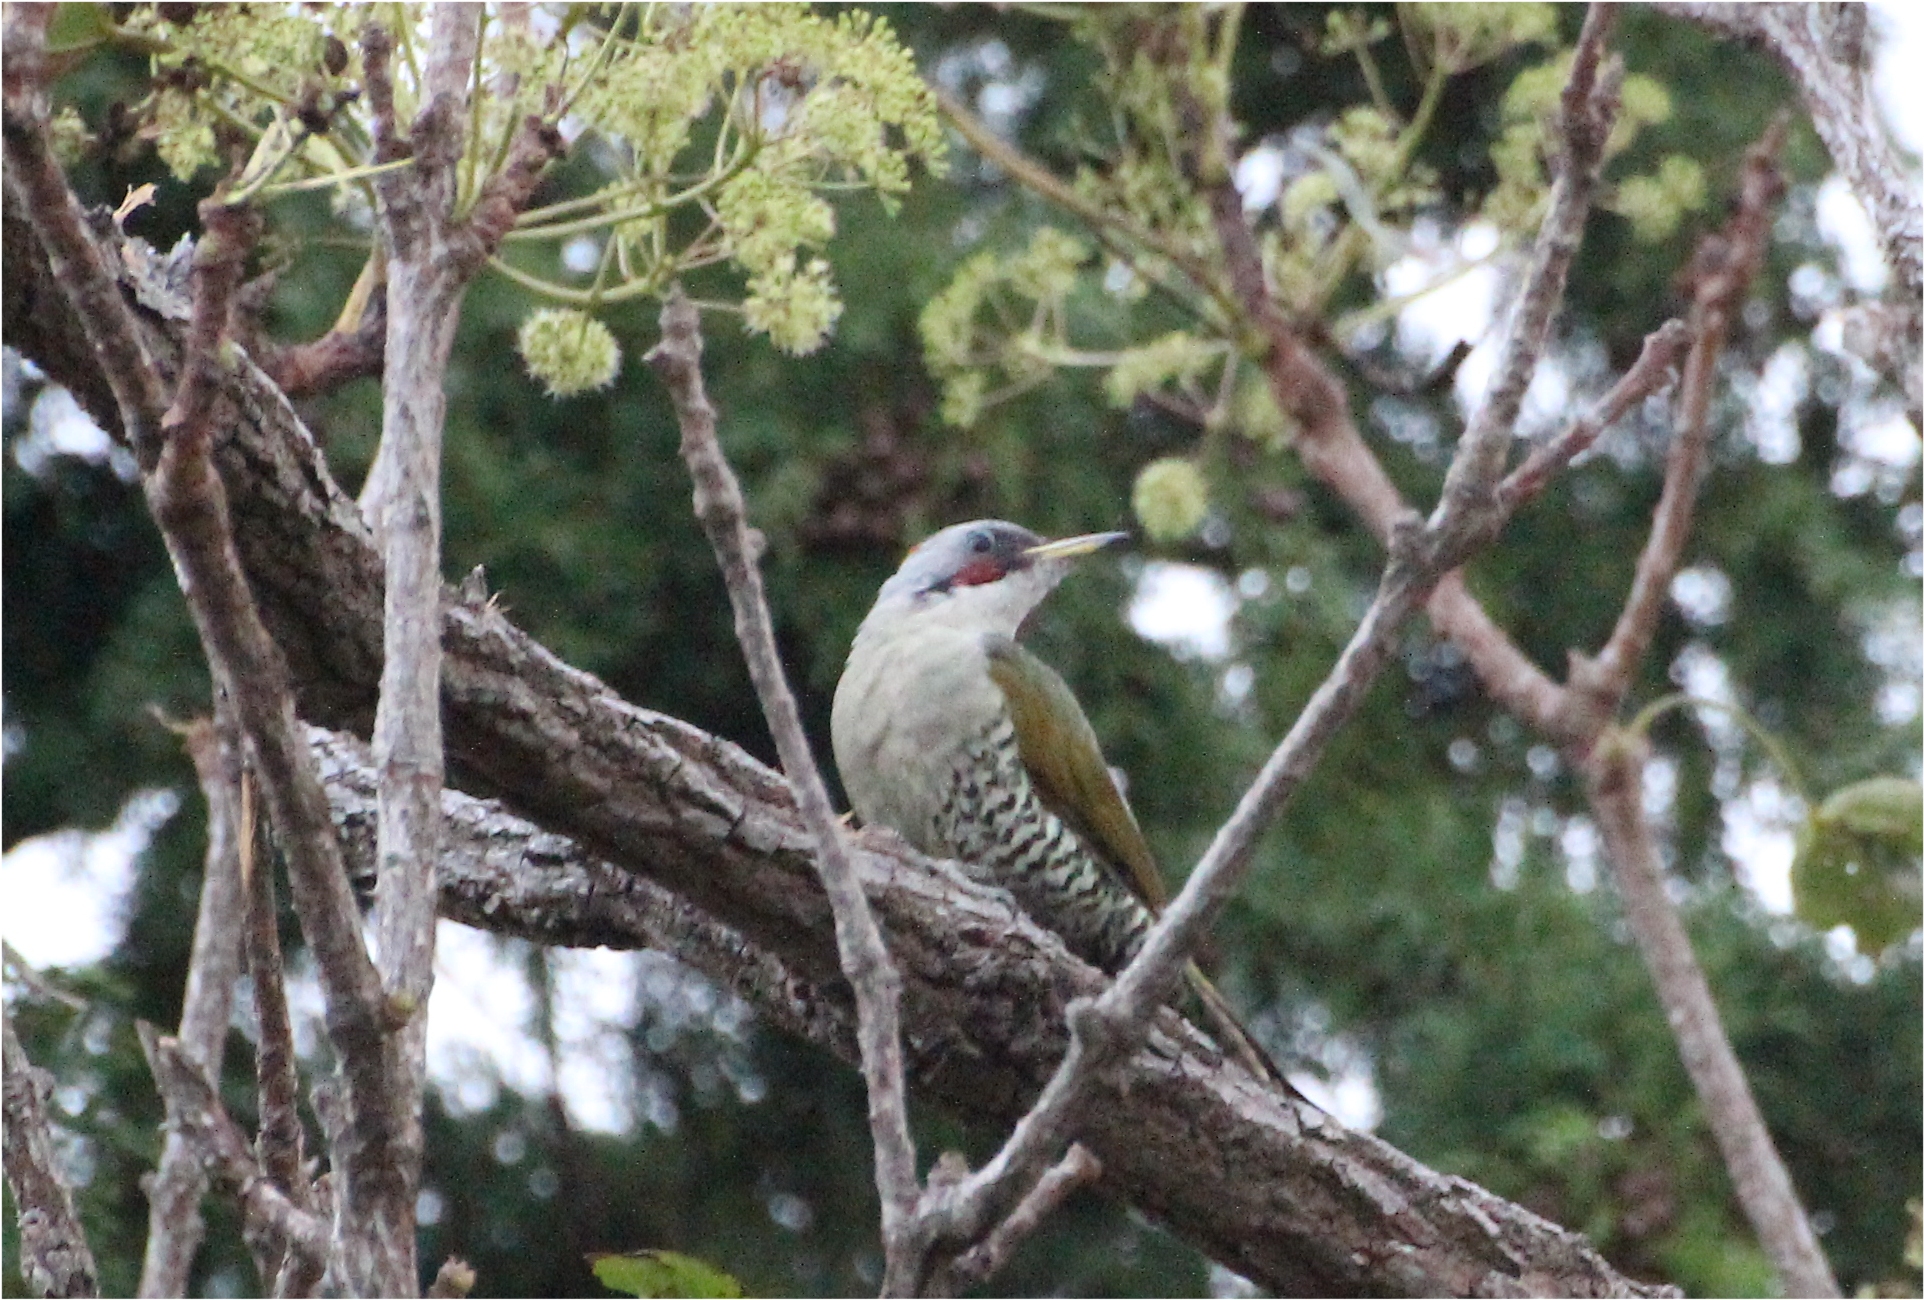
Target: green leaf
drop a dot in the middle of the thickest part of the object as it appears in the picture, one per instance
(1887, 807)
(664, 1273)
(1858, 861)
(78, 27)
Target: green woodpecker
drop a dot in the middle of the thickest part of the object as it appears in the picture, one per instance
(972, 748)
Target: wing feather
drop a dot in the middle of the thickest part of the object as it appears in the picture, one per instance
(1064, 759)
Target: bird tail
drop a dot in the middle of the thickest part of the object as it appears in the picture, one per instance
(1233, 1038)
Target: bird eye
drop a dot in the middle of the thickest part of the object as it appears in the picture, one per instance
(981, 543)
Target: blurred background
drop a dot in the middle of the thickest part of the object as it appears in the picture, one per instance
(1430, 932)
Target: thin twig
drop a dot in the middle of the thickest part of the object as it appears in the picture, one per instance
(1104, 220)
(1464, 515)
(188, 502)
(505, 195)
(281, 1141)
(1076, 1170)
(1649, 373)
(864, 957)
(1725, 266)
(1106, 1029)
(276, 1079)
(193, 1104)
(54, 1256)
(227, 235)
(19, 968)
(174, 1224)
(377, 79)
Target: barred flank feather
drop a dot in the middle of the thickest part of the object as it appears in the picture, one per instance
(993, 819)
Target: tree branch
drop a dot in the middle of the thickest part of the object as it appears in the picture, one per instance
(174, 1224)
(1108, 1028)
(1303, 1207)
(1298, 1205)
(1466, 516)
(864, 957)
(1074, 1171)
(402, 500)
(1824, 49)
(54, 1258)
(1725, 266)
(345, 352)
(281, 1140)
(73, 259)
(194, 1106)
(1650, 372)
(189, 503)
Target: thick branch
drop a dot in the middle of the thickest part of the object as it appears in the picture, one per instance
(1466, 516)
(864, 957)
(1303, 1208)
(174, 1224)
(54, 1256)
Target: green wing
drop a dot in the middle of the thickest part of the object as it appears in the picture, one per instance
(1059, 748)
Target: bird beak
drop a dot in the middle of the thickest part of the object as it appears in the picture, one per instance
(1070, 548)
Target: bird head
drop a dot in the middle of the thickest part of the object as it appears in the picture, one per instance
(986, 575)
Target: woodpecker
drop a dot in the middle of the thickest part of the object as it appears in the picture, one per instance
(969, 747)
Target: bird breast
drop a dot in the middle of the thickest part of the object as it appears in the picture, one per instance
(908, 707)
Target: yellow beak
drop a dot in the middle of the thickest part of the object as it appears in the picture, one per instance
(1068, 548)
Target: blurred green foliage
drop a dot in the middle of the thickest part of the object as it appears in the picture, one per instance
(1430, 916)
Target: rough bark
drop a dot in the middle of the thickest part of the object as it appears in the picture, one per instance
(689, 819)
(54, 1258)
(1824, 48)
(1302, 1207)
